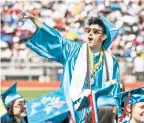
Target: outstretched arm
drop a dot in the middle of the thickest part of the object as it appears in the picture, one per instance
(49, 43)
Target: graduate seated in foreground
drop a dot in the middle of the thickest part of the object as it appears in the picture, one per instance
(15, 105)
(105, 106)
(133, 111)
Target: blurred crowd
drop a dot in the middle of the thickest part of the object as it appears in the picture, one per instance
(70, 18)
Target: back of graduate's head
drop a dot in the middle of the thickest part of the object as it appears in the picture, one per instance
(106, 114)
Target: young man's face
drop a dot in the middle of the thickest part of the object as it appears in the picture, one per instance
(138, 112)
(19, 108)
(95, 35)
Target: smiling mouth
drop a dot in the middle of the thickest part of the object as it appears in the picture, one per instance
(23, 110)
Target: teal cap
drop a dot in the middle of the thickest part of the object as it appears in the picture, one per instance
(131, 97)
(135, 95)
(10, 95)
(111, 31)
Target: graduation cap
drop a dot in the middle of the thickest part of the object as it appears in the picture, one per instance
(111, 31)
(10, 95)
(131, 97)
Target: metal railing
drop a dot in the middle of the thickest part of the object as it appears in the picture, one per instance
(47, 70)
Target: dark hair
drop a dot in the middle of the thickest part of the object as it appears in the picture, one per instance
(105, 114)
(10, 111)
(97, 21)
(123, 86)
(66, 120)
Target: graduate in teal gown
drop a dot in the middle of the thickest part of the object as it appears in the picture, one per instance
(48, 42)
(133, 110)
(15, 105)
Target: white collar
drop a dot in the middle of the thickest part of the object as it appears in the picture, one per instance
(96, 54)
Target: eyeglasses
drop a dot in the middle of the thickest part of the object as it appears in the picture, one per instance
(21, 104)
(94, 30)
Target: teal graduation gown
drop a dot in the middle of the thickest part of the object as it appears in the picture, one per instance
(6, 119)
(48, 42)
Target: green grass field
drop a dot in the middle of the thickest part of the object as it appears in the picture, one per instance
(30, 94)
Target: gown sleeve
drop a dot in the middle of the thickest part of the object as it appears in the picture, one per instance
(6, 119)
(48, 42)
(116, 73)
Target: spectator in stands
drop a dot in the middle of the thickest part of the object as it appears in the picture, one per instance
(15, 105)
(130, 13)
(139, 67)
(6, 53)
(123, 68)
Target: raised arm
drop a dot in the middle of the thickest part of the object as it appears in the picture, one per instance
(49, 43)
(35, 20)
